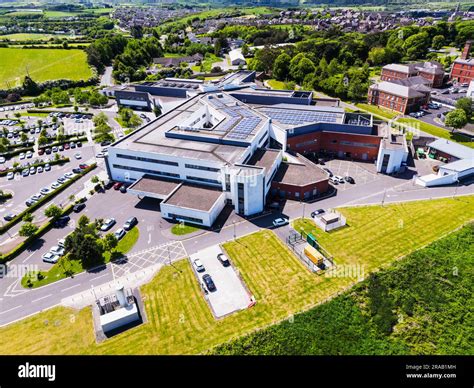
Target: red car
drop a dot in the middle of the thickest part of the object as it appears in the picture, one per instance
(118, 185)
(66, 146)
(40, 151)
(83, 166)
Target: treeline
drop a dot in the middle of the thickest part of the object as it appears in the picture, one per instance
(129, 57)
(338, 63)
(418, 306)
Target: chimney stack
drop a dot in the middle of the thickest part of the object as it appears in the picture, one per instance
(467, 49)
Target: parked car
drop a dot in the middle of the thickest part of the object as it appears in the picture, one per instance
(55, 185)
(48, 151)
(51, 258)
(333, 180)
(317, 212)
(2, 160)
(209, 282)
(83, 166)
(328, 171)
(29, 202)
(223, 259)
(109, 184)
(41, 151)
(57, 250)
(78, 155)
(47, 167)
(22, 155)
(9, 217)
(76, 170)
(61, 222)
(78, 144)
(66, 146)
(29, 154)
(339, 179)
(107, 224)
(130, 223)
(39, 170)
(78, 207)
(25, 172)
(10, 175)
(123, 189)
(32, 170)
(100, 155)
(280, 222)
(105, 143)
(349, 179)
(55, 149)
(117, 185)
(119, 233)
(61, 148)
(45, 191)
(61, 180)
(198, 265)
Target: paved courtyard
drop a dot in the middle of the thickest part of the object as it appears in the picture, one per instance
(362, 173)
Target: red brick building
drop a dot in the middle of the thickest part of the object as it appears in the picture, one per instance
(432, 71)
(463, 67)
(401, 96)
(340, 144)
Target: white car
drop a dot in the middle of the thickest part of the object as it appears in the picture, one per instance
(29, 154)
(10, 175)
(339, 179)
(50, 258)
(45, 190)
(55, 185)
(39, 169)
(57, 250)
(119, 233)
(280, 222)
(99, 155)
(22, 156)
(198, 265)
(2, 159)
(108, 223)
(78, 155)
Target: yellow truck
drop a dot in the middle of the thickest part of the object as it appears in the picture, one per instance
(312, 254)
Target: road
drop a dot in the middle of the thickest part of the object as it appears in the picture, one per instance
(17, 303)
(106, 78)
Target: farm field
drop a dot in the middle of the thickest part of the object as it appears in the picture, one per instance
(25, 37)
(177, 313)
(42, 65)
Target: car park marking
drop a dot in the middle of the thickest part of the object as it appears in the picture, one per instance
(14, 308)
(43, 297)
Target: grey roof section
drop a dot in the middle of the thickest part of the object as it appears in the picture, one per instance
(457, 150)
(396, 89)
(469, 61)
(410, 68)
(460, 165)
(195, 197)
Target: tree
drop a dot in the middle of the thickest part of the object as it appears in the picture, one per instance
(24, 137)
(100, 119)
(417, 45)
(110, 242)
(28, 229)
(53, 211)
(31, 87)
(95, 179)
(438, 42)
(465, 104)
(28, 217)
(281, 67)
(456, 119)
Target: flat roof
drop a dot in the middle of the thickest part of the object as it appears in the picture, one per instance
(263, 158)
(195, 197)
(457, 150)
(154, 185)
(460, 165)
(302, 174)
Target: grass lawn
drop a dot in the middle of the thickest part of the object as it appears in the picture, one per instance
(438, 131)
(279, 85)
(66, 268)
(42, 65)
(383, 113)
(178, 315)
(207, 63)
(181, 229)
(23, 37)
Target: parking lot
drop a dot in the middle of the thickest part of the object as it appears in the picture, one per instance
(230, 294)
(362, 173)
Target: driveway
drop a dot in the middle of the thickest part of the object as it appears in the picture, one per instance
(230, 294)
(363, 173)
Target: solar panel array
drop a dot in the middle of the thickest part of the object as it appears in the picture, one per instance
(241, 121)
(296, 117)
(244, 128)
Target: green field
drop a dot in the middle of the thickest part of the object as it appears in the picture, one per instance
(42, 65)
(437, 131)
(178, 315)
(26, 37)
(417, 306)
(182, 229)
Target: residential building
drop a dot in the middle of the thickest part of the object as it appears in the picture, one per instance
(463, 67)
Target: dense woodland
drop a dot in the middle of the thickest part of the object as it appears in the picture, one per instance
(421, 305)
